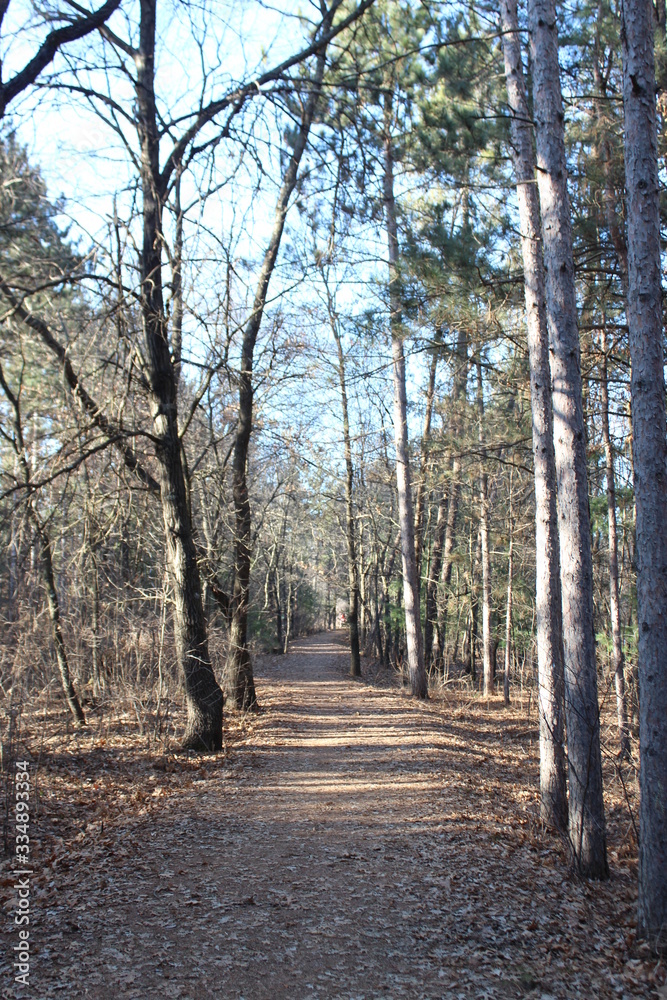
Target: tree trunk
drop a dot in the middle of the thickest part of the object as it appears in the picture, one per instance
(203, 696)
(279, 611)
(586, 820)
(53, 604)
(458, 399)
(426, 436)
(96, 673)
(24, 465)
(614, 597)
(288, 623)
(487, 653)
(508, 613)
(432, 582)
(474, 561)
(415, 650)
(353, 569)
(553, 791)
(649, 450)
(239, 682)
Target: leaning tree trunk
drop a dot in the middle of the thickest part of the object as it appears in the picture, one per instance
(553, 791)
(53, 604)
(487, 652)
(203, 696)
(239, 682)
(586, 821)
(415, 649)
(614, 595)
(649, 449)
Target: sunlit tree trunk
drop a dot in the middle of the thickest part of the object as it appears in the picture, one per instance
(649, 449)
(614, 595)
(432, 582)
(350, 526)
(586, 805)
(426, 437)
(415, 650)
(487, 649)
(458, 400)
(508, 612)
(553, 791)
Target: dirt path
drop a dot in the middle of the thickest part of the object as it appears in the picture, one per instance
(358, 846)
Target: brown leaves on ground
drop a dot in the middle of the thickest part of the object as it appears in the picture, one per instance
(350, 843)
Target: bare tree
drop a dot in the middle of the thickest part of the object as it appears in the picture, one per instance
(73, 29)
(52, 599)
(238, 680)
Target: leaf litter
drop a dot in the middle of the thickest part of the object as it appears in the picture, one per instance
(350, 843)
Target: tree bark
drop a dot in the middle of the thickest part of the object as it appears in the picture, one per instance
(508, 612)
(487, 651)
(458, 399)
(586, 820)
(649, 450)
(353, 569)
(553, 791)
(415, 649)
(53, 604)
(426, 436)
(239, 682)
(203, 696)
(430, 620)
(614, 596)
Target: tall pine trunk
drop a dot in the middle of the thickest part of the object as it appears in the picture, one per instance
(587, 833)
(353, 569)
(487, 650)
(508, 611)
(460, 380)
(430, 618)
(649, 449)
(415, 649)
(420, 502)
(614, 595)
(553, 791)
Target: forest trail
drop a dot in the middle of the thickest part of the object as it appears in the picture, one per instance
(356, 845)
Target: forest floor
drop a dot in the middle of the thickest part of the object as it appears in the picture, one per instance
(350, 844)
